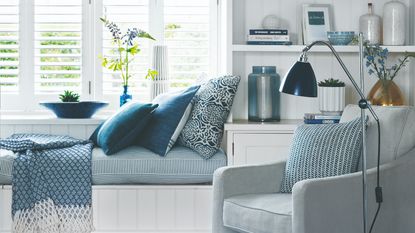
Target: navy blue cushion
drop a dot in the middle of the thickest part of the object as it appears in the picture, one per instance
(122, 128)
(158, 135)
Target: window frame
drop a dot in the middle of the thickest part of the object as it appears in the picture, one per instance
(26, 101)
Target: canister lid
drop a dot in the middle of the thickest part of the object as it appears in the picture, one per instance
(264, 69)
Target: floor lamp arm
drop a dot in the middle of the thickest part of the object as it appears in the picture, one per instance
(363, 100)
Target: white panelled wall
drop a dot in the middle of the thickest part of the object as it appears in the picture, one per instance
(135, 208)
(247, 14)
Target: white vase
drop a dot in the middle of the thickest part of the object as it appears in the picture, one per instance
(331, 100)
(370, 25)
(394, 23)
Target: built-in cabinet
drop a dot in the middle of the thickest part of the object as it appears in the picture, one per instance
(251, 142)
(238, 16)
(256, 143)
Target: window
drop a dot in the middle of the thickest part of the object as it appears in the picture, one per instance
(126, 14)
(47, 46)
(187, 35)
(58, 43)
(9, 46)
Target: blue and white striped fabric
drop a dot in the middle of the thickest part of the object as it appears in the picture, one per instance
(138, 165)
(323, 150)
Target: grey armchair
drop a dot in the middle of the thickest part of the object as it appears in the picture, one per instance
(247, 198)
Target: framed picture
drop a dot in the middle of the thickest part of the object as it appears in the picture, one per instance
(316, 22)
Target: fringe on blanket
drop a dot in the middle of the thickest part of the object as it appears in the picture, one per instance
(46, 217)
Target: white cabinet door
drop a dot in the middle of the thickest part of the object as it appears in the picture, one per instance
(260, 148)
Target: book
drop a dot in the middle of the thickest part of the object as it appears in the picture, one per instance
(269, 42)
(320, 121)
(268, 38)
(268, 32)
(320, 116)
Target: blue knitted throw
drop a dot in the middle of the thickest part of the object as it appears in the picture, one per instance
(52, 189)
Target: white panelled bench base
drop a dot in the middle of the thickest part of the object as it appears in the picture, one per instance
(140, 208)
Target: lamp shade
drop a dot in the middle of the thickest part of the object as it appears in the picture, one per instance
(300, 80)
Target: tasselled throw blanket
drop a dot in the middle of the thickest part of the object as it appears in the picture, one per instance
(52, 189)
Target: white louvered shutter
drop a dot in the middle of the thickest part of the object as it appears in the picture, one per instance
(127, 14)
(58, 43)
(9, 46)
(187, 35)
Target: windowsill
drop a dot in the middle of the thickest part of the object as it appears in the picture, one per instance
(47, 119)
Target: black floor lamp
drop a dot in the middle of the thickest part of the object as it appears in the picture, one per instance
(300, 80)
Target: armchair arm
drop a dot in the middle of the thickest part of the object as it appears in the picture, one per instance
(239, 180)
(334, 204)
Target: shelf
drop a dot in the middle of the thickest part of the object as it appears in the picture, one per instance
(317, 48)
(244, 125)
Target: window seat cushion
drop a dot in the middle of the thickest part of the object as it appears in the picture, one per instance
(137, 165)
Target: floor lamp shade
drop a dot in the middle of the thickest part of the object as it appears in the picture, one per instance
(300, 80)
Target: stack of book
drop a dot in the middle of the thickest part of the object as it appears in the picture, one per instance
(268, 37)
(318, 118)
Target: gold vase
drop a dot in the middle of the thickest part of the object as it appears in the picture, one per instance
(386, 93)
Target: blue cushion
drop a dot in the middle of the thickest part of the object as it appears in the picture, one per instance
(323, 150)
(122, 128)
(158, 134)
(211, 106)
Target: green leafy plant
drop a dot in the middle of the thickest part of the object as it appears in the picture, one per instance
(331, 83)
(377, 62)
(127, 49)
(69, 96)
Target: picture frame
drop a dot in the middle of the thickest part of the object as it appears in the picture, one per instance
(316, 22)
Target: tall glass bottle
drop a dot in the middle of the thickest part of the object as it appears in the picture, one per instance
(370, 25)
(263, 94)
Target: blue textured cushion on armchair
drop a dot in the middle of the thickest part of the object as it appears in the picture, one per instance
(122, 128)
(160, 133)
(319, 151)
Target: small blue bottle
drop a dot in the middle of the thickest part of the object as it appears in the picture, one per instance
(125, 97)
(263, 94)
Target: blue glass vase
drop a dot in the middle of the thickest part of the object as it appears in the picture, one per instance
(125, 97)
(263, 94)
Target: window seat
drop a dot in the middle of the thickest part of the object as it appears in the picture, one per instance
(137, 165)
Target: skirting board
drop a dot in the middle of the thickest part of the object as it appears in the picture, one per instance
(140, 208)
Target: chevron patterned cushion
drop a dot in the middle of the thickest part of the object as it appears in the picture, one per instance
(323, 150)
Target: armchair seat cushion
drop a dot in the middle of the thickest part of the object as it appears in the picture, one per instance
(259, 213)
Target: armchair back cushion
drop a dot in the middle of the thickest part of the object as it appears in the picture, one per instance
(397, 126)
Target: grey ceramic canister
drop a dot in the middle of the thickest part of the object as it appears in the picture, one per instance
(263, 94)
(394, 23)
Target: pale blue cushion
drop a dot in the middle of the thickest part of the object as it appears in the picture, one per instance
(211, 106)
(6, 164)
(259, 213)
(323, 150)
(122, 129)
(159, 135)
(137, 165)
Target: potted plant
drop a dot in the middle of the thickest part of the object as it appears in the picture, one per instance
(331, 96)
(127, 49)
(71, 107)
(385, 92)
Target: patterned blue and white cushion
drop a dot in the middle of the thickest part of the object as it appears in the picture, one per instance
(211, 106)
(323, 150)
